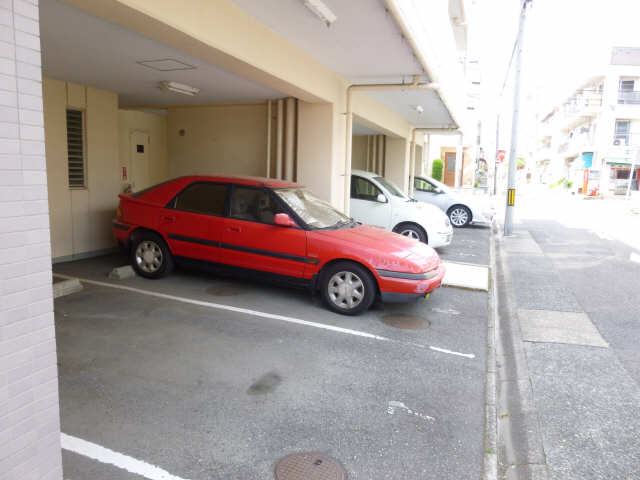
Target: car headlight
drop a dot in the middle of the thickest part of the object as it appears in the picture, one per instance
(447, 222)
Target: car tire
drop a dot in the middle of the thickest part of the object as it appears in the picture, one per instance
(351, 299)
(459, 216)
(411, 230)
(149, 255)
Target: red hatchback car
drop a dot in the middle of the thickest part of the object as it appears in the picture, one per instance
(273, 229)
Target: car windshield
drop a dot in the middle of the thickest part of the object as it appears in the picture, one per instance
(314, 212)
(390, 187)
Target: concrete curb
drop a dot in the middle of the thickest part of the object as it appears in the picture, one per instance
(520, 451)
(490, 447)
(66, 287)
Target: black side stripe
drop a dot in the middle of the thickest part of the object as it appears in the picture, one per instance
(240, 248)
(200, 241)
(120, 226)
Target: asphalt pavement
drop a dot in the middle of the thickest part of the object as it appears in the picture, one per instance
(569, 356)
(210, 377)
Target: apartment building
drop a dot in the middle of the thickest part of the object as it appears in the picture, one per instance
(593, 138)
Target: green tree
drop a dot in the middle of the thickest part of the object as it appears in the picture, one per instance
(436, 169)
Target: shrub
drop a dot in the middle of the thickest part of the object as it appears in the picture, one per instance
(436, 169)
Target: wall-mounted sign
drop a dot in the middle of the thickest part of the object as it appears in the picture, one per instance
(500, 157)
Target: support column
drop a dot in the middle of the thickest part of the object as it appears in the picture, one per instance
(320, 162)
(289, 138)
(397, 162)
(29, 410)
(459, 162)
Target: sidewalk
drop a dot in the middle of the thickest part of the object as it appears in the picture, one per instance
(567, 407)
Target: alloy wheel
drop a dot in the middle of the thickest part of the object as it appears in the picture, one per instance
(459, 216)
(411, 233)
(346, 290)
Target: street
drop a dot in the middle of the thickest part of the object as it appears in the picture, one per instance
(568, 358)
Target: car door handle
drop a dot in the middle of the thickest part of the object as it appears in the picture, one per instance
(168, 218)
(234, 229)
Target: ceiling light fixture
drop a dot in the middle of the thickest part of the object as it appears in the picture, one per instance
(179, 88)
(320, 10)
(419, 109)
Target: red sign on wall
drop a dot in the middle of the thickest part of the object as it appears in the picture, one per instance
(500, 157)
(124, 173)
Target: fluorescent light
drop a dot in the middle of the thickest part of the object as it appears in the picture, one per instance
(321, 11)
(179, 88)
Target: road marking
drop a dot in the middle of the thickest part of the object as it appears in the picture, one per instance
(257, 313)
(393, 404)
(451, 352)
(120, 460)
(634, 257)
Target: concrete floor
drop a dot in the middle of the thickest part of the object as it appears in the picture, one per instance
(204, 392)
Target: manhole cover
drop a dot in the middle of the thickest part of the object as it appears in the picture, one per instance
(309, 466)
(407, 322)
(224, 290)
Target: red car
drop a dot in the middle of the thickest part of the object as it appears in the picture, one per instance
(272, 229)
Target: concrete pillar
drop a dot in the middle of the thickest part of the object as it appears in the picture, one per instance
(289, 138)
(320, 152)
(397, 158)
(29, 410)
(459, 163)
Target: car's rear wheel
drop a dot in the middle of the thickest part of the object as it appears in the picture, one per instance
(460, 216)
(411, 230)
(150, 256)
(347, 288)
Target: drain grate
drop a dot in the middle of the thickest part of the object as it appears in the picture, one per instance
(309, 466)
(406, 322)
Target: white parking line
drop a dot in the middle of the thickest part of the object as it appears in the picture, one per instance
(120, 460)
(257, 313)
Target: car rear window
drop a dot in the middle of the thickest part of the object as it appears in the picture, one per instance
(147, 190)
(202, 197)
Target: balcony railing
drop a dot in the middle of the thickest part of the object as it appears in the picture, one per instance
(628, 97)
(583, 100)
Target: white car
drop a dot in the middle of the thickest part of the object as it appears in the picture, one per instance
(461, 210)
(378, 202)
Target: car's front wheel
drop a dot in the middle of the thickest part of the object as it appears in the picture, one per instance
(347, 288)
(460, 216)
(411, 230)
(150, 256)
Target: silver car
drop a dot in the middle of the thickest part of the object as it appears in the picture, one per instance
(462, 210)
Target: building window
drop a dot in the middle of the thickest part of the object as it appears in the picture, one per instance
(75, 149)
(622, 132)
(627, 93)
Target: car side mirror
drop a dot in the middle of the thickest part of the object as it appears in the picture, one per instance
(381, 198)
(439, 190)
(283, 220)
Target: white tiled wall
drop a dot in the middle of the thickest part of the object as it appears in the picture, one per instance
(29, 412)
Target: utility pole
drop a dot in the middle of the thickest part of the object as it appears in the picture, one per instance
(495, 157)
(513, 152)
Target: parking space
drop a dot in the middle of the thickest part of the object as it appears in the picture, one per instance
(211, 377)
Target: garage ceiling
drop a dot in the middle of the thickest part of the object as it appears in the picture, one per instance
(364, 44)
(81, 48)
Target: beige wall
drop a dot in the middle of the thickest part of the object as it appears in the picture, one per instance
(359, 152)
(81, 217)
(397, 162)
(221, 139)
(155, 126)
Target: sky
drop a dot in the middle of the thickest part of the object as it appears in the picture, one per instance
(566, 42)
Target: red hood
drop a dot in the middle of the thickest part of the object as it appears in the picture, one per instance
(380, 248)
